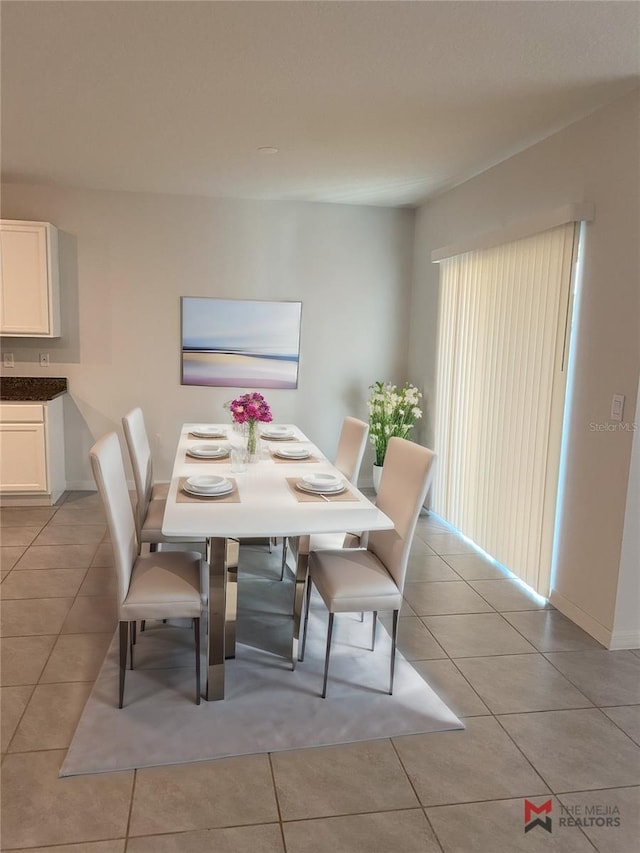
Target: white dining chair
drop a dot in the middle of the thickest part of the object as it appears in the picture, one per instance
(372, 579)
(351, 446)
(158, 585)
(151, 498)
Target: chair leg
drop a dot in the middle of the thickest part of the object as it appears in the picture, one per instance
(394, 642)
(326, 660)
(143, 624)
(132, 628)
(124, 643)
(196, 633)
(373, 630)
(307, 602)
(283, 565)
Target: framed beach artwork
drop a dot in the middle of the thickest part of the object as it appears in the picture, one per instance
(240, 343)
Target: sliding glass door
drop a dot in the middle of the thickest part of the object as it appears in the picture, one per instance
(502, 367)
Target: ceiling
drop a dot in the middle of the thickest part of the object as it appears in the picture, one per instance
(382, 103)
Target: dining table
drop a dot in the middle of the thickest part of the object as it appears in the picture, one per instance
(268, 499)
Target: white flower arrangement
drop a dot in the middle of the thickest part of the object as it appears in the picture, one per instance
(392, 412)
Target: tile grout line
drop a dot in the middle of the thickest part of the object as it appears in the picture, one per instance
(420, 803)
(277, 800)
(130, 813)
(539, 773)
(491, 713)
(57, 636)
(35, 685)
(423, 808)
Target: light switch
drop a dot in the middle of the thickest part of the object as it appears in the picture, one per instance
(7, 359)
(617, 407)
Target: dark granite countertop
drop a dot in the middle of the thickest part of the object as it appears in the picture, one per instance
(31, 388)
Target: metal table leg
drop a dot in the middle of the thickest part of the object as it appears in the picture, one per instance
(223, 576)
(231, 608)
(298, 600)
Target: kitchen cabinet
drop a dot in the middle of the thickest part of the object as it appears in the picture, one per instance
(29, 279)
(32, 469)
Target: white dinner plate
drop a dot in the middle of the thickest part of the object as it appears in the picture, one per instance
(208, 451)
(321, 482)
(292, 453)
(200, 494)
(204, 431)
(278, 432)
(208, 484)
(304, 487)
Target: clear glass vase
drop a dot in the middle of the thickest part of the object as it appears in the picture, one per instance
(252, 441)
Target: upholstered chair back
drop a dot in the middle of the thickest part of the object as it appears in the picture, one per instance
(108, 472)
(135, 433)
(405, 481)
(351, 447)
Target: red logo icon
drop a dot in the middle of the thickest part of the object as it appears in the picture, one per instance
(532, 809)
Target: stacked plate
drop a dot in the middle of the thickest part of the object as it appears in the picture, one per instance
(208, 487)
(321, 484)
(208, 451)
(292, 453)
(208, 431)
(282, 433)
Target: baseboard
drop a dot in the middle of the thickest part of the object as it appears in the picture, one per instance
(625, 639)
(90, 486)
(582, 619)
(609, 638)
(26, 500)
(81, 486)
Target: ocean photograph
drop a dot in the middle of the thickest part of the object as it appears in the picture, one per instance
(240, 343)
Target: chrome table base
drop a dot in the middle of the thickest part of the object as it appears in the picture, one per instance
(222, 557)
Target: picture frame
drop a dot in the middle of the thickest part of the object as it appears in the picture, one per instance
(240, 343)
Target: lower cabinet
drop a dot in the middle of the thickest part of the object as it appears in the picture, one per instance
(32, 470)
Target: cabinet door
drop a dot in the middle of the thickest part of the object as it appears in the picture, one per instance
(23, 459)
(28, 303)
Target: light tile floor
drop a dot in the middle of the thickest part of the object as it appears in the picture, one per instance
(550, 716)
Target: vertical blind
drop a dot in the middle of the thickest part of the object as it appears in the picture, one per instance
(501, 379)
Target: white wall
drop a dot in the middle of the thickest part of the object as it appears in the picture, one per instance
(595, 160)
(626, 627)
(127, 258)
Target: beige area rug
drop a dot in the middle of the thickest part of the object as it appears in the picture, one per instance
(267, 708)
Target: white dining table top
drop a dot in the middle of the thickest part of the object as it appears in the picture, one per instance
(267, 506)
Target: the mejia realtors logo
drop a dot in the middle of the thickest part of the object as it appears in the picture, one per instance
(531, 809)
(579, 814)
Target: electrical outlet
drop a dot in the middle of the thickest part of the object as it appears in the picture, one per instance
(44, 359)
(617, 407)
(7, 359)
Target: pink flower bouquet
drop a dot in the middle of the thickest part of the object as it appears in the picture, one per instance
(249, 409)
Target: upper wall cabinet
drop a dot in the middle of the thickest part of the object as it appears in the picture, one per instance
(29, 288)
